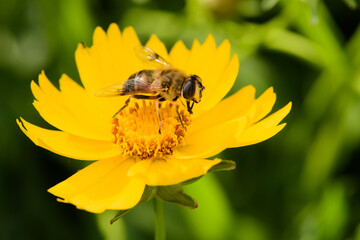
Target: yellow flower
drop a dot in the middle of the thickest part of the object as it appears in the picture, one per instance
(131, 153)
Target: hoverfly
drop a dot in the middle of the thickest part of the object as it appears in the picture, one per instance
(163, 83)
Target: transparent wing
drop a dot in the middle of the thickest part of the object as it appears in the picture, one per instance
(110, 91)
(131, 86)
(149, 56)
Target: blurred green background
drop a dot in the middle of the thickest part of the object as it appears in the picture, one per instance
(304, 183)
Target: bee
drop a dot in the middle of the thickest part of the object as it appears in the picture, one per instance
(162, 83)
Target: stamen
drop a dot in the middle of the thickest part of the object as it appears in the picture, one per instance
(136, 129)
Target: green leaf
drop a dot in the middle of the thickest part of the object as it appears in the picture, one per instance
(149, 193)
(224, 165)
(108, 231)
(267, 5)
(175, 194)
(314, 4)
(332, 211)
(353, 4)
(119, 215)
(214, 217)
(191, 180)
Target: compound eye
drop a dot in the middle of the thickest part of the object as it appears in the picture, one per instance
(189, 90)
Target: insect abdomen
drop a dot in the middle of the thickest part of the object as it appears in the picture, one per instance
(137, 82)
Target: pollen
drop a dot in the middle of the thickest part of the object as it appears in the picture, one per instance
(136, 129)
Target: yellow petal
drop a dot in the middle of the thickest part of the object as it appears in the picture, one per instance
(220, 88)
(264, 129)
(169, 171)
(96, 111)
(215, 80)
(200, 60)
(218, 65)
(73, 110)
(242, 104)
(129, 62)
(214, 68)
(116, 56)
(86, 65)
(263, 105)
(100, 186)
(110, 60)
(235, 106)
(210, 141)
(158, 46)
(105, 61)
(130, 38)
(264, 135)
(68, 145)
(179, 55)
(99, 37)
(88, 62)
(114, 37)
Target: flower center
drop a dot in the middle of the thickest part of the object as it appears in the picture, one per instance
(136, 129)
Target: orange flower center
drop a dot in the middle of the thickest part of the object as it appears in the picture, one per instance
(136, 129)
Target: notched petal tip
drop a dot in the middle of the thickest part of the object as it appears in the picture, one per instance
(59, 199)
(66, 144)
(20, 123)
(81, 45)
(264, 129)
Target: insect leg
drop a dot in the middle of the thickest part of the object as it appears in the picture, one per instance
(188, 107)
(182, 102)
(178, 114)
(158, 112)
(125, 105)
(146, 97)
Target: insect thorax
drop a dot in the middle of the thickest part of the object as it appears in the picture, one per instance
(173, 80)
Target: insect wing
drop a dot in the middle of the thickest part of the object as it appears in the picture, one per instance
(131, 86)
(111, 91)
(151, 57)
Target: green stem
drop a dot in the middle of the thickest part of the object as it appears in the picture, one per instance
(160, 233)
